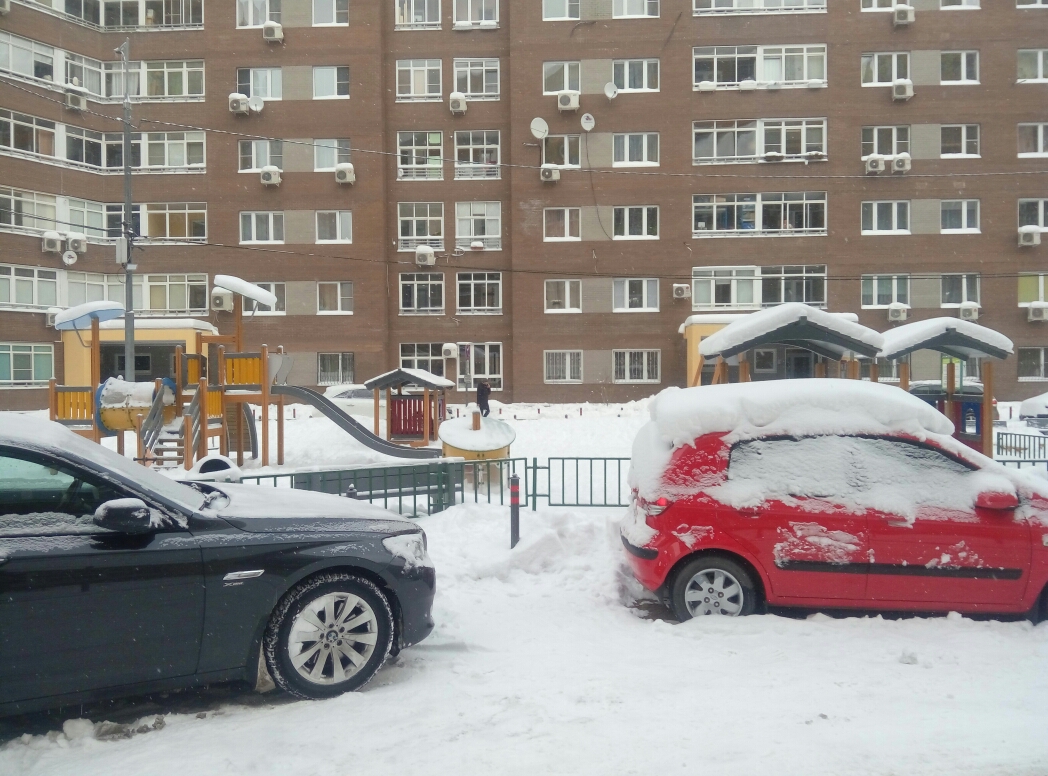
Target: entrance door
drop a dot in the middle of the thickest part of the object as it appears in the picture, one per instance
(799, 363)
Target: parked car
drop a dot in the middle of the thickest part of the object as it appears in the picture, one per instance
(353, 399)
(1035, 412)
(117, 580)
(828, 494)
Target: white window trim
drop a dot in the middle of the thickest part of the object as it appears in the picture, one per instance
(758, 203)
(269, 285)
(269, 17)
(254, 213)
(567, 355)
(895, 140)
(758, 157)
(966, 5)
(964, 213)
(627, 380)
(410, 311)
(333, 149)
(567, 77)
(567, 220)
(269, 88)
(412, 97)
(338, 227)
(331, 96)
(895, 217)
(735, 304)
(895, 62)
(412, 242)
(427, 25)
(336, 283)
(647, 308)
(1042, 140)
(625, 88)
(492, 242)
(774, 361)
(474, 171)
(964, 286)
(644, 209)
(479, 310)
(1042, 220)
(567, 155)
(421, 172)
(645, 135)
(1041, 276)
(256, 168)
(761, 82)
(963, 81)
(567, 7)
(964, 141)
(313, 10)
(636, 16)
(811, 6)
(480, 24)
(35, 382)
(36, 306)
(461, 63)
(895, 276)
(567, 310)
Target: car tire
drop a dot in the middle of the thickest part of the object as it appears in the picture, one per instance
(713, 585)
(328, 635)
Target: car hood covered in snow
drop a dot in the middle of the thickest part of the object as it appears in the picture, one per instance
(258, 509)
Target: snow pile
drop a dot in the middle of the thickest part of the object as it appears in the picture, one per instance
(766, 321)
(492, 434)
(912, 336)
(242, 287)
(1036, 406)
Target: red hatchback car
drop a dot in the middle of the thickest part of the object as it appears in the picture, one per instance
(828, 494)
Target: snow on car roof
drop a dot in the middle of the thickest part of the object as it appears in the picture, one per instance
(1034, 406)
(957, 335)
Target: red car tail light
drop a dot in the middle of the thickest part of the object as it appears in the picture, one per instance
(655, 508)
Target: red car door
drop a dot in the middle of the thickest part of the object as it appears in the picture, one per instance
(943, 552)
(790, 508)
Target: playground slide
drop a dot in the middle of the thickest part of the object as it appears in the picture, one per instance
(352, 427)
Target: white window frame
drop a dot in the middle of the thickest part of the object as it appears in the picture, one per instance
(424, 69)
(181, 73)
(966, 291)
(567, 217)
(88, 217)
(733, 7)
(970, 133)
(1040, 278)
(622, 295)
(414, 281)
(760, 130)
(270, 10)
(623, 145)
(37, 129)
(264, 82)
(813, 60)
(262, 153)
(1040, 138)
(1042, 212)
(343, 226)
(165, 285)
(274, 223)
(339, 9)
(561, 367)
(8, 351)
(792, 202)
(478, 222)
(648, 358)
(341, 81)
(474, 144)
(570, 290)
(809, 279)
(423, 150)
(757, 353)
(570, 76)
(433, 216)
(870, 64)
(338, 147)
(1041, 59)
(969, 212)
(899, 285)
(346, 368)
(898, 145)
(899, 209)
(340, 293)
(967, 58)
(728, 278)
(569, 10)
(1043, 372)
(473, 281)
(170, 141)
(1031, 3)
(277, 289)
(642, 9)
(569, 144)
(431, 360)
(407, 12)
(465, 71)
(170, 214)
(43, 284)
(959, 5)
(97, 287)
(478, 13)
(489, 352)
(623, 72)
(623, 215)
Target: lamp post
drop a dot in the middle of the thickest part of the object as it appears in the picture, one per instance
(126, 244)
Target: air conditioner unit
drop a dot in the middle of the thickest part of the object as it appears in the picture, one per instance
(902, 89)
(457, 103)
(5, 7)
(76, 242)
(773, 156)
(1029, 236)
(901, 163)
(51, 313)
(52, 242)
(449, 350)
(75, 100)
(897, 311)
(1038, 311)
(272, 32)
(874, 164)
(707, 86)
(270, 175)
(222, 300)
(567, 100)
(425, 256)
(549, 173)
(238, 104)
(344, 173)
(681, 291)
(748, 85)
(969, 311)
(903, 15)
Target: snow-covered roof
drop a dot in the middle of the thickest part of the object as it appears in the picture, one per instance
(242, 287)
(492, 435)
(952, 336)
(794, 324)
(723, 319)
(1034, 406)
(80, 317)
(163, 323)
(404, 376)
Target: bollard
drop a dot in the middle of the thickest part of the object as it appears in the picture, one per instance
(514, 510)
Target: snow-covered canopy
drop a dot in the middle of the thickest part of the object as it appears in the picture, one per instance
(249, 290)
(492, 435)
(400, 377)
(952, 336)
(794, 324)
(80, 317)
(163, 323)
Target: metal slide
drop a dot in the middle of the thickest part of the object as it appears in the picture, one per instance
(351, 426)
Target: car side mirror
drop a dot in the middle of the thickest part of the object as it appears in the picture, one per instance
(127, 516)
(992, 499)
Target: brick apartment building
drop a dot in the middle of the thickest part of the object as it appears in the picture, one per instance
(731, 164)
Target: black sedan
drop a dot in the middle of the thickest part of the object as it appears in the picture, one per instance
(116, 580)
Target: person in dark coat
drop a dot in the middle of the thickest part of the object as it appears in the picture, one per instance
(483, 392)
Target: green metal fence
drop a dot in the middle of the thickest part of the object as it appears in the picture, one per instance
(1020, 446)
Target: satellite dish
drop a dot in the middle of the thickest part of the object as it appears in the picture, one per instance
(256, 104)
(588, 121)
(69, 258)
(539, 128)
(611, 91)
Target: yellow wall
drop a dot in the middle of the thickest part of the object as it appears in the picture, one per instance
(693, 335)
(77, 357)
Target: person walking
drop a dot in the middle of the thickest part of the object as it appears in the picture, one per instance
(483, 392)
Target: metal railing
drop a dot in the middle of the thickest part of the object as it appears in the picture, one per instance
(1021, 446)
(1027, 463)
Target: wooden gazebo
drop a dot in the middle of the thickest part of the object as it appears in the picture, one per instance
(410, 417)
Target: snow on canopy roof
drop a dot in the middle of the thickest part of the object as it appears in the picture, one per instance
(404, 376)
(242, 287)
(492, 435)
(952, 336)
(794, 324)
(163, 323)
(80, 317)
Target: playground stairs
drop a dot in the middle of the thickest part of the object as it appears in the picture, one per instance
(169, 450)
